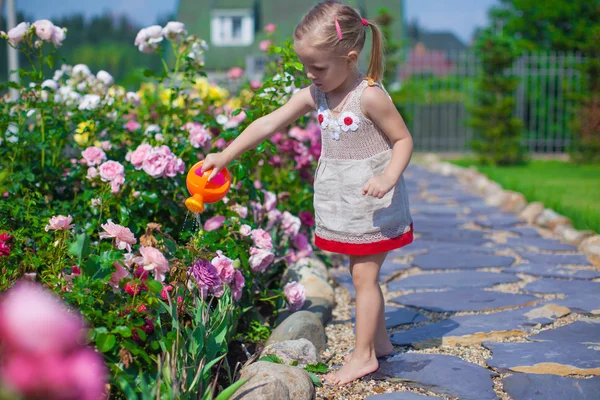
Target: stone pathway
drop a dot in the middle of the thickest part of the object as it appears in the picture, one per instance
(482, 306)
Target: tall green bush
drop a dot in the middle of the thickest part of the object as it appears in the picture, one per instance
(497, 132)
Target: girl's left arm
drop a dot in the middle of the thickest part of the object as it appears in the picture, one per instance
(379, 108)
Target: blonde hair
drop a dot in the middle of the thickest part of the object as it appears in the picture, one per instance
(320, 24)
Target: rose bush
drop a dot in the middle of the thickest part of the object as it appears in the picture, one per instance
(93, 183)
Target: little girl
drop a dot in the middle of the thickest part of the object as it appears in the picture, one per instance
(361, 203)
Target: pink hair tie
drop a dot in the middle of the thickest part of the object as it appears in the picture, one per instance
(338, 29)
(364, 22)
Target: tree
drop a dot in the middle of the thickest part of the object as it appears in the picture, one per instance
(385, 19)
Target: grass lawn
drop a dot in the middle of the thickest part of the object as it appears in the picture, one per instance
(569, 189)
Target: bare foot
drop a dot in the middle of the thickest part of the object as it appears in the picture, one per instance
(381, 351)
(354, 369)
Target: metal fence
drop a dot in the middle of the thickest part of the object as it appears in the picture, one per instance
(436, 89)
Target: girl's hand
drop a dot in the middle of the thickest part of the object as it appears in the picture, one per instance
(216, 161)
(379, 186)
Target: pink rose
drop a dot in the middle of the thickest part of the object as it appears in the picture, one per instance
(260, 259)
(245, 230)
(235, 73)
(93, 156)
(58, 36)
(298, 133)
(304, 248)
(110, 170)
(199, 136)
(264, 45)
(174, 166)
(132, 125)
(115, 278)
(240, 210)
(258, 184)
(214, 223)
(273, 217)
(224, 266)
(123, 236)
(262, 239)
(270, 200)
(18, 33)
(153, 260)
(295, 293)
(255, 84)
(36, 321)
(59, 223)
(115, 184)
(237, 285)
(140, 154)
(44, 29)
(290, 224)
(155, 164)
(270, 28)
(307, 218)
(91, 173)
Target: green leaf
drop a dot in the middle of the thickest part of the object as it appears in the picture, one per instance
(319, 368)
(80, 247)
(105, 342)
(294, 363)
(236, 112)
(271, 358)
(148, 73)
(230, 390)
(315, 379)
(123, 331)
(154, 286)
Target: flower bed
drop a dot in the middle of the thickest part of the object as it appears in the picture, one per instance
(93, 210)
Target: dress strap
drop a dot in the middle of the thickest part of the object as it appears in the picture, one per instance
(320, 99)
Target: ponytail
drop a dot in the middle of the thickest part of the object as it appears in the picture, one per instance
(376, 64)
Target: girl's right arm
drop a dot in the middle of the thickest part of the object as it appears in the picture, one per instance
(300, 104)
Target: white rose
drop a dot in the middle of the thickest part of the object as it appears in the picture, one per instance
(50, 84)
(81, 70)
(174, 30)
(89, 102)
(17, 34)
(58, 35)
(44, 29)
(105, 77)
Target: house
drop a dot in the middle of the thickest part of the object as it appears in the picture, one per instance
(233, 29)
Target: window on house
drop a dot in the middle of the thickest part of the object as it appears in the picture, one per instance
(232, 28)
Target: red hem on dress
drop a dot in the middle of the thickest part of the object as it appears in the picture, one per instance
(364, 249)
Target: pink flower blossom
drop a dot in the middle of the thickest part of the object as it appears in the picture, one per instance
(235, 73)
(132, 125)
(137, 157)
(44, 29)
(224, 266)
(174, 166)
(295, 293)
(115, 184)
(299, 134)
(153, 260)
(35, 321)
(220, 143)
(262, 239)
(161, 162)
(270, 200)
(110, 170)
(4, 247)
(307, 218)
(290, 224)
(270, 28)
(240, 210)
(116, 276)
(59, 223)
(245, 230)
(237, 285)
(273, 217)
(123, 236)
(91, 173)
(258, 184)
(207, 277)
(93, 156)
(58, 36)
(199, 135)
(255, 84)
(214, 223)
(304, 248)
(264, 45)
(18, 33)
(260, 259)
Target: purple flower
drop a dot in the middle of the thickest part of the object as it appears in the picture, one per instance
(237, 285)
(207, 277)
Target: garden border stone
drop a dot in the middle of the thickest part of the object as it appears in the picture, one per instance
(534, 213)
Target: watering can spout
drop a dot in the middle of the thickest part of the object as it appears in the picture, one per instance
(195, 203)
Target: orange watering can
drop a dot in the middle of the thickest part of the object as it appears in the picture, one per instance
(202, 190)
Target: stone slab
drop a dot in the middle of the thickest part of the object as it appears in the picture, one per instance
(545, 358)
(390, 268)
(539, 243)
(455, 236)
(468, 329)
(441, 374)
(499, 222)
(343, 277)
(401, 396)
(396, 316)
(463, 300)
(525, 232)
(553, 271)
(550, 387)
(585, 331)
(568, 287)
(460, 260)
(584, 303)
(451, 280)
(555, 259)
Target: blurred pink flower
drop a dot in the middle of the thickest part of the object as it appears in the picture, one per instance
(255, 84)
(93, 156)
(264, 45)
(214, 223)
(245, 230)
(174, 30)
(44, 29)
(123, 236)
(270, 200)
(258, 184)
(237, 285)
(273, 217)
(18, 33)
(153, 260)
(4, 248)
(58, 36)
(307, 218)
(199, 136)
(290, 224)
(137, 157)
(116, 276)
(59, 223)
(262, 239)
(132, 125)
(304, 248)
(270, 28)
(161, 162)
(240, 210)
(299, 134)
(235, 73)
(115, 184)
(91, 173)
(260, 259)
(295, 294)
(220, 143)
(35, 321)
(174, 166)
(224, 266)
(110, 170)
